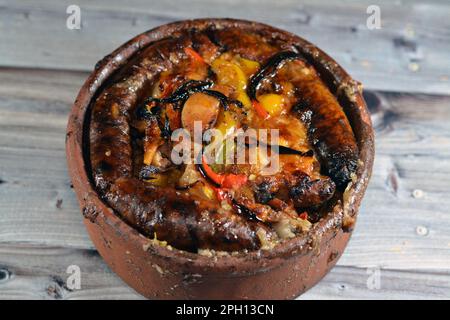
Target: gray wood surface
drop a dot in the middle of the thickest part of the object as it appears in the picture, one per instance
(410, 52)
(403, 228)
(36, 272)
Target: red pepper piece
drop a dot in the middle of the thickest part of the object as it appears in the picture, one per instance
(215, 177)
(234, 180)
(194, 55)
(224, 180)
(303, 215)
(260, 111)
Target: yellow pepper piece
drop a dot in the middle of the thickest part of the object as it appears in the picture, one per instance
(234, 72)
(226, 122)
(209, 193)
(273, 103)
(229, 74)
(243, 97)
(159, 180)
(248, 66)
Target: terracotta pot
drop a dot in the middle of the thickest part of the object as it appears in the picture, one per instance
(157, 272)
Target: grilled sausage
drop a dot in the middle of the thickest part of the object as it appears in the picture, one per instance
(303, 190)
(329, 130)
(122, 110)
(179, 221)
(172, 216)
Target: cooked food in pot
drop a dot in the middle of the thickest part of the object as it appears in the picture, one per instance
(168, 133)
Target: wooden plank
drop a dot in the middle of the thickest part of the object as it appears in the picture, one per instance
(35, 189)
(345, 282)
(409, 53)
(404, 222)
(29, 272)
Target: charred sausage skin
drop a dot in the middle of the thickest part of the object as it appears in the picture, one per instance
(174, 215)
(174, 219)
(329, 130)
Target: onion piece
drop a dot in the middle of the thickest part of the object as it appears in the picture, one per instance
(190, 176)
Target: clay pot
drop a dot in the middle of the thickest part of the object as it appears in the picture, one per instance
(162, 273)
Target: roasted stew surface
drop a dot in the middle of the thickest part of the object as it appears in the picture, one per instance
(232, 80)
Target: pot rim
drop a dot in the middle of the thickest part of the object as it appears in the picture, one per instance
(241, 263)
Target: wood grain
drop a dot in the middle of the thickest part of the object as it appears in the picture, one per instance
(35, 194)
(35, 272)
(31, 272)
(403, 226)
(409, 53)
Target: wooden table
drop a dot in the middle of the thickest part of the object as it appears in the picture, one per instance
(403, 231)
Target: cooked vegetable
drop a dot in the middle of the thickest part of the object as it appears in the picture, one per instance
(260, 111)
(180, 95)
(233, 72)
(158, 179)
(222, 180)
(216, 78)
(209, 192)
(189, 177)
(249, 67)
(269, 68)
(226, 122)
(194, 55)
(272, 103)
(244, 99)
(149, 151)
(229, 73)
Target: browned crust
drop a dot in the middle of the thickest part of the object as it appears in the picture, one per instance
(167, 213)
(122, 246)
